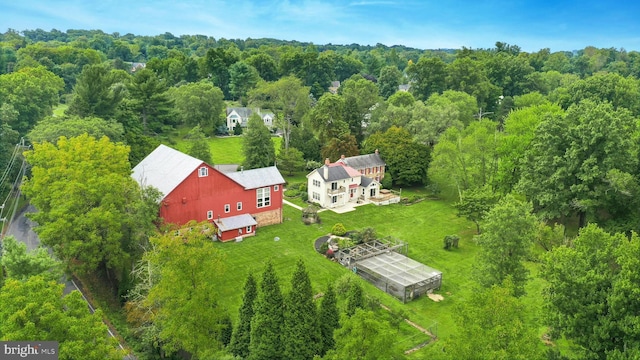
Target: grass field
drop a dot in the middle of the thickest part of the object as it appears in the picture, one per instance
(225, 150)
(422, 226)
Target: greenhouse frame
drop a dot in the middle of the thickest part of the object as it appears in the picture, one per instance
(382, 264)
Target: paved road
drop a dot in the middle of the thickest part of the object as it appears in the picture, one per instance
(22, 229)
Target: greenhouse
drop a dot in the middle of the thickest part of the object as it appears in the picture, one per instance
(398, 275)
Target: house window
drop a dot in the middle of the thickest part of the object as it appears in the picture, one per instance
(316, 182)
(373, 192)
(276, 187)
(227, 208)
(334, 186)
(248, 229)
(203, 171)
(316, 196)
(239, 205)
(209, 214)
(334, 199)
(264, 197)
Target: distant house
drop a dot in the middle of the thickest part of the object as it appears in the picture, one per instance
(404, 87)
(137, 66)
(235, 202)
(335, 85)
(336, 184)
(369, 165)
(240, 115)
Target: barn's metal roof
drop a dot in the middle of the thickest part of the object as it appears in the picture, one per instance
(257, 178)
(165, 168)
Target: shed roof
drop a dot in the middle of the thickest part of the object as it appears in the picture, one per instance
(363, 161)
(257, 178)
(235, 222)
(398, 268)
(165, 168)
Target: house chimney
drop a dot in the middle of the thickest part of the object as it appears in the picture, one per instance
(241, 169)
(325, 170)
(342, 156)
(376, 152)
(327, 161)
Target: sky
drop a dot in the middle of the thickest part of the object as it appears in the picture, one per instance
(423, 24)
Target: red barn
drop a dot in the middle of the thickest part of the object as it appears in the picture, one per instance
(236, 202)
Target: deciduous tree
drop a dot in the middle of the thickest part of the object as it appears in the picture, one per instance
(21, 265)
(199, 147)
(502, 321)
(363, 336)
(53, 127)
(592, 293)
(290, 160)
(36, 310)
(198, 103)
(184, 298)
(86, 201)
(509, 231)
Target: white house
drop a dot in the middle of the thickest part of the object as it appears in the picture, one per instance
(240, 115)
(336, 184)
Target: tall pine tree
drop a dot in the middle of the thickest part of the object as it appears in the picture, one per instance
(241, 336)
(301, 335)
(266, 324)
(328, 320)
(257, 145)
(355, 299)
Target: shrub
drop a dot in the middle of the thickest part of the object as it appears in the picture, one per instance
(237, 130)
(304, 196)
(291, 193)
(451, 241)
(338, 229)
(386, 181)
(324, 247)
(302, 187)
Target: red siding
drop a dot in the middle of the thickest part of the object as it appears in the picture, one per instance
(196, 195)
(232, 234)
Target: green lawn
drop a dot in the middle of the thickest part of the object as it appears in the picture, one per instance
(422, 226)
(224, 150)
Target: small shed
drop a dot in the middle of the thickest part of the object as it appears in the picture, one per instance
(398, 275)
(235, 227)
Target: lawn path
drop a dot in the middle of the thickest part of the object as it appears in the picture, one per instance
(291, 204)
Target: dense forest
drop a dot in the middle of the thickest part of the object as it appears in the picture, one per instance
(539, 150)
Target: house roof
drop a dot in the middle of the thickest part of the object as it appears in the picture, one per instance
(165, 168)
(257, 178)
(226, 168)
(365, 181)
(363, 161)
(235, 222)
(244, 112)
(337, 171)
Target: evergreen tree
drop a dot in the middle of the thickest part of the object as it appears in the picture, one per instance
(257, 145)
(96, 93)
(355, 299)
(328, 320)
(301, 335)
(266, 324)
(150, 101)
(226, 330)
(199, 147)
(241, 336)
